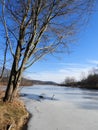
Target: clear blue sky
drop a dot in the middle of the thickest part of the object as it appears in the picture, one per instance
(83, 57)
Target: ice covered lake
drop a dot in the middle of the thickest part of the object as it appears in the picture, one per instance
(87, 99)
(62, 108)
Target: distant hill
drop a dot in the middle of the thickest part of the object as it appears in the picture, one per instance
(38, 82)
(27, 82)
(24, 81)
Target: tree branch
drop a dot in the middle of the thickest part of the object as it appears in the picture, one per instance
(6, 30)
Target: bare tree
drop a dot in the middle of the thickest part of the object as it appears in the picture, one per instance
(69, 80)
(34, 28)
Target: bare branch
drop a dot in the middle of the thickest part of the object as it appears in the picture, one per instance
(6, 29)
(4, 61)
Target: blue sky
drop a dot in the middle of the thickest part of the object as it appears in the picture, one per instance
(83, 57)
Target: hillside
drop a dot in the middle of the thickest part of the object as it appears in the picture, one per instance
(38, 82)
(27, 82)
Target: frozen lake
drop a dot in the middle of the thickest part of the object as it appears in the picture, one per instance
(62, 108)
(87, 99)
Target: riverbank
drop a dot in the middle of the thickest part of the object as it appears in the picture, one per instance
(13, 116)
(90, 82)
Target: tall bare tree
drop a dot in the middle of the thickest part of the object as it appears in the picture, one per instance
(34, 28)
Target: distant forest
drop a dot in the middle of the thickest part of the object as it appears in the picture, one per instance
(89, 82)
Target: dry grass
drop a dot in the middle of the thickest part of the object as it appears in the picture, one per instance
(12, 115)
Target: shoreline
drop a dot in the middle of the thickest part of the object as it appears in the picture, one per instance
(25, 126)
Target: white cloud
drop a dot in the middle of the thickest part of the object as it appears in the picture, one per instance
(47, 76)
(93, 62)
(68, 70)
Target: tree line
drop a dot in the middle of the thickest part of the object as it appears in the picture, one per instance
(89, 82)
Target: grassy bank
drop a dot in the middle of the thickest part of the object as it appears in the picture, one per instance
(13, 116)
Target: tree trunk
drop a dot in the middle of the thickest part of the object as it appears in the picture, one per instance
(12, 87)
(15, 76)
(17, 69)
(13, 84)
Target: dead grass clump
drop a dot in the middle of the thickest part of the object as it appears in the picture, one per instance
(12, 115)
